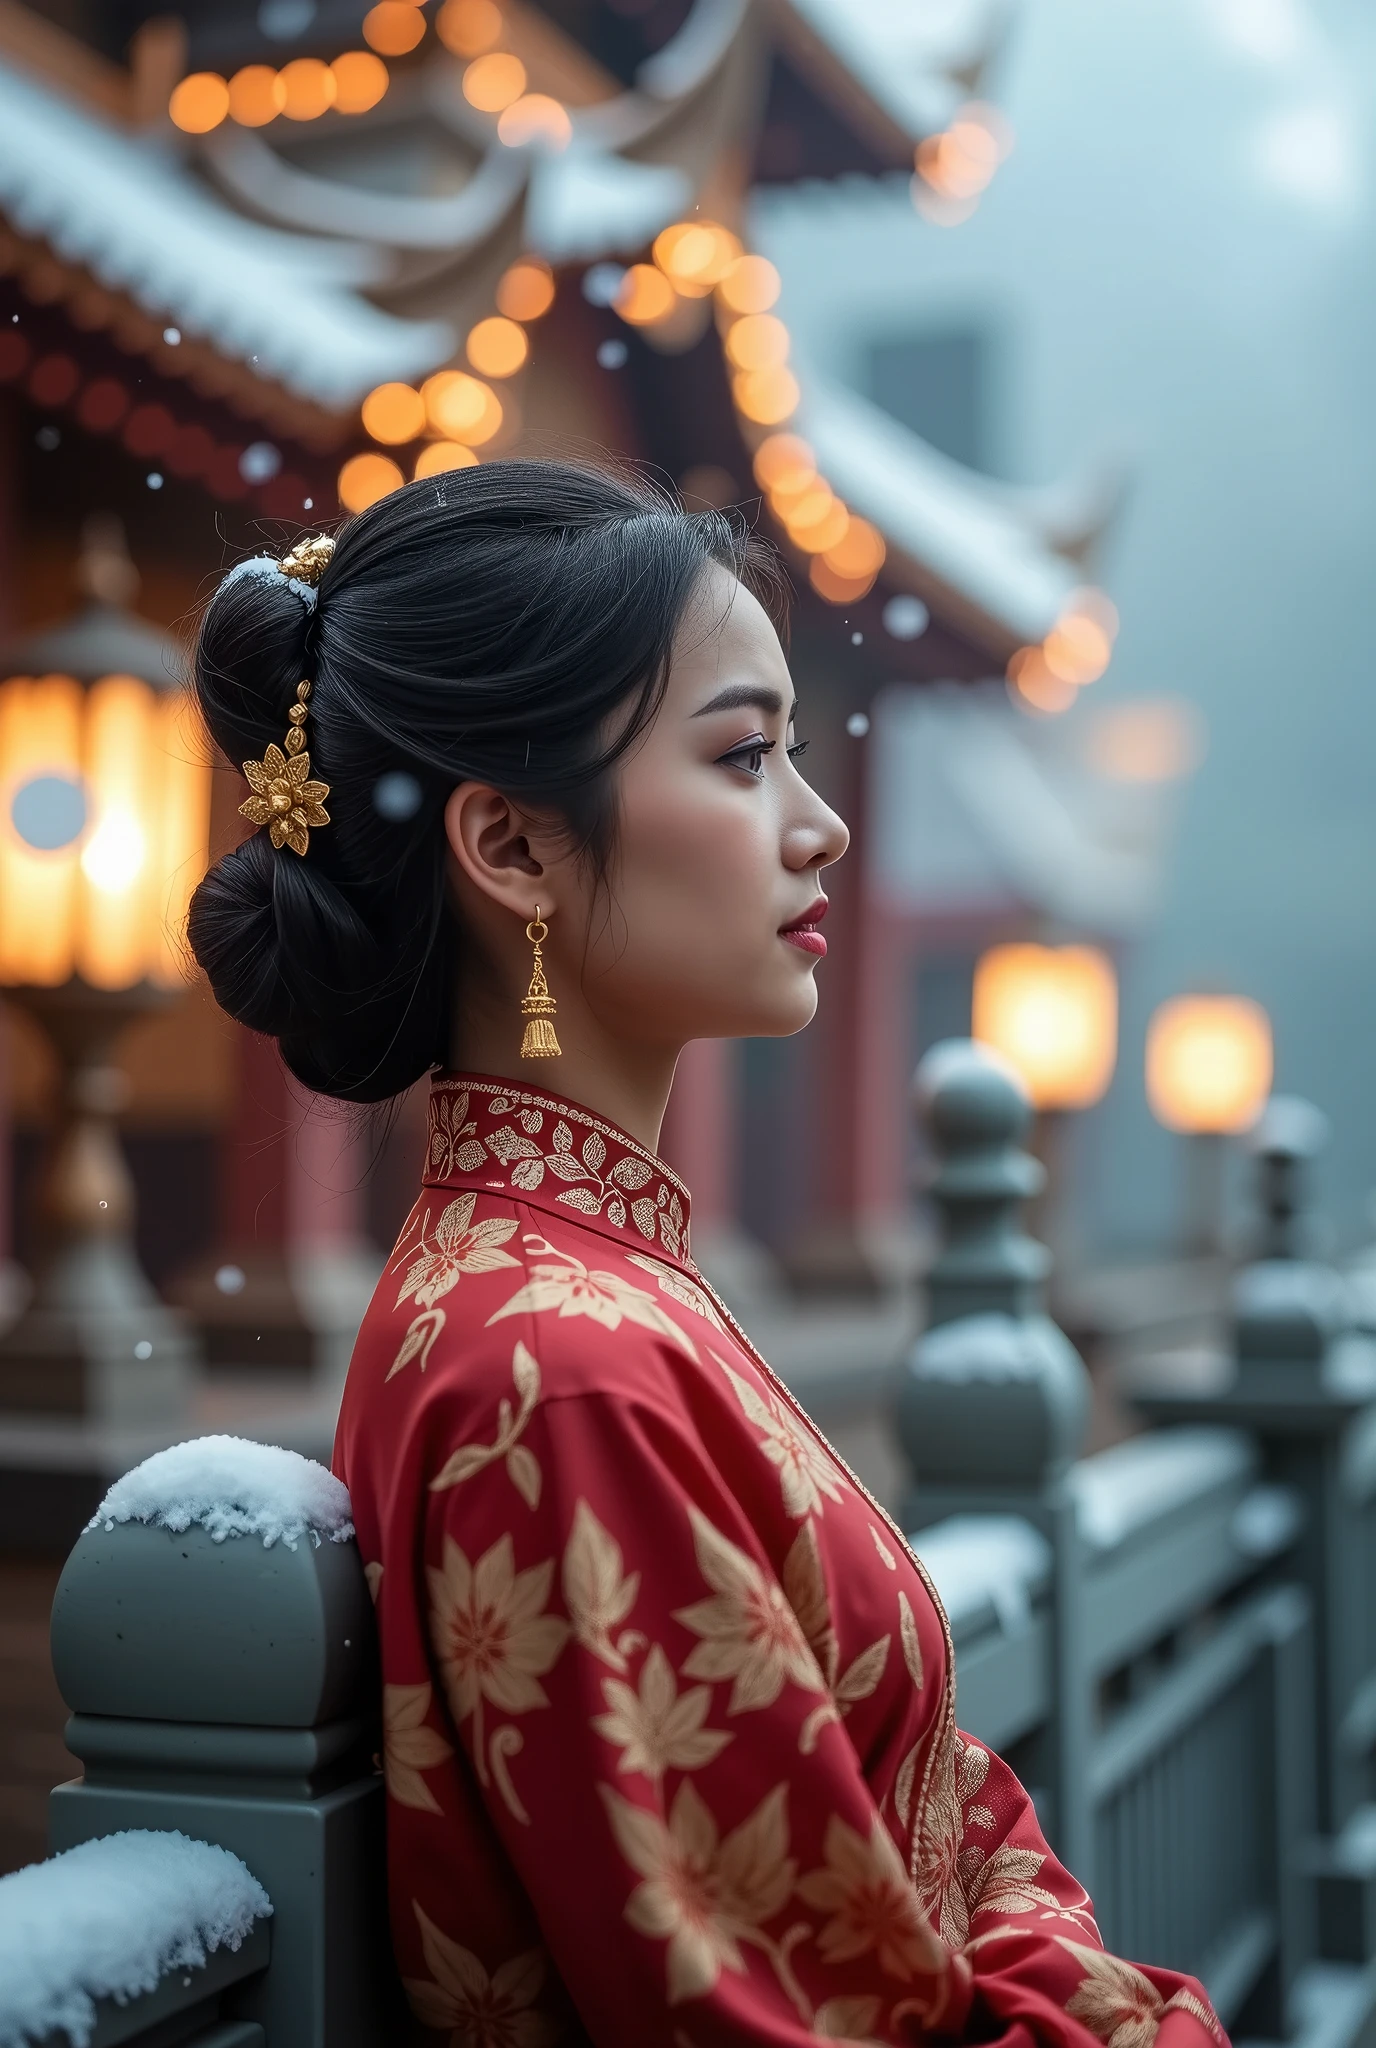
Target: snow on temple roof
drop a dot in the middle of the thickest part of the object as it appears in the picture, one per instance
(917, 63)
(109, 1919)
(943, 516)
(130, 212)
(232, 1488)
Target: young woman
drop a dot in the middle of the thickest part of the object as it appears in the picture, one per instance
(669, 1703)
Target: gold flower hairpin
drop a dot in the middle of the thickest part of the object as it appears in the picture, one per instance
(284, 797)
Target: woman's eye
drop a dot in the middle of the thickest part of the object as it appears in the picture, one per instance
(749, 755)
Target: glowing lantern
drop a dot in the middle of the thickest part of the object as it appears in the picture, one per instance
(1209, 1063)
(1052, 1011)
(461, 407)
(366, 478)
(394, 413)
(497, 347)
(309, 89)
(104, 825)
(256, 96)
(393, 27)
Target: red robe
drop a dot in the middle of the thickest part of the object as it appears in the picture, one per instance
(669, 1703)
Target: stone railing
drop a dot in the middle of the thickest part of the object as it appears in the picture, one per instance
(1173, 1643)
(213, 1637)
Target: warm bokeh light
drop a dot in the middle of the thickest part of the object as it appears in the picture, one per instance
(807, 506)
(393, 27)
(815, 533)
(1077, 649)
(497, 347)
(859, 553)
(757, 341)
(256, 96)
(960, 163)
(1209, 1063)
(1155, 739)
(535, 117)
(526, 290)
(462, 408)
(309, 88)
(1052, 1011)
(394, 413)
(696, 255)
(468, 27)
(438, 456)
(491, 84)
(360, 81)
(1034, 687)
(109, 902)
(766, 396)
(751, 285)
(366, 478)
(834, 587)
(645, 296)
(199, 103)
(784, 462)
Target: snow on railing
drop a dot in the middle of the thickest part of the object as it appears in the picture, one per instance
(111, 1919)
(231, 1487)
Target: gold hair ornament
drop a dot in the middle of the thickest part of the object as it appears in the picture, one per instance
(284, 797)
(309, 559)
(537, 1004)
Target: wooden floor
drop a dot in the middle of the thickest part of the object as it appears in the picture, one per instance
(32, 1756)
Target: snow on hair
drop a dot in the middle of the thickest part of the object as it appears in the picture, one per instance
(264, 565)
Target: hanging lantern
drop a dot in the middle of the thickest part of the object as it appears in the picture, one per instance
(1209, 1063)
(104, 824)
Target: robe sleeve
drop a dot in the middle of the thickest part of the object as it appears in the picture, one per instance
(1038, 1960)
(648, 1730)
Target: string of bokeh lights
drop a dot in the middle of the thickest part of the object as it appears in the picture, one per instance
(494, 80)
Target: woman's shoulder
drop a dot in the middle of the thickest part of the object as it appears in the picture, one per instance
(476, 1274)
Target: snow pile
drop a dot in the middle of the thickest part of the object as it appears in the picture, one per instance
(991, 1346)
(979, 1561)
(1151, 1477)
(232, 1488)
(110, 1919)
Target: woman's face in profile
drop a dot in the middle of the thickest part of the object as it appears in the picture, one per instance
(706, 927)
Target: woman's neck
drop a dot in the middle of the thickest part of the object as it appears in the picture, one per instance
(627, 1084)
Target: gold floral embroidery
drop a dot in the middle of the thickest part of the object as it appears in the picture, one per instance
(679, 1288)
(805, 1585)
(478, 2011)
(523, 1467)
(887, 1557)
(848, 2019)
(597, 1593)
(571, 1290)
(410, 1746)
(912, 1642)
(749, 1632)
(419, 1340)
(1002, 1882)
(943, 1866)
(461, 1246)
(703, 1894)
(865, 1889)
(657, 1728)
(1119, 2005)
(453, 1146)
(492, 1636)
(805, 1470)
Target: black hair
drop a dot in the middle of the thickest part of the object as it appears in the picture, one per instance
(488, 623)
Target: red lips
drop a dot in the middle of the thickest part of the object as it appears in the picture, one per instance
(803, 932)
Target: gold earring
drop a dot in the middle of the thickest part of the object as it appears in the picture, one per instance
(538, 1005)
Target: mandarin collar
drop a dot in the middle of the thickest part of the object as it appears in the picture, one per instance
(487, 1133)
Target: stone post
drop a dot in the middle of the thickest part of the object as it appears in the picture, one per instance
(230, 1690)
(1301, 1376)
(994, 1402)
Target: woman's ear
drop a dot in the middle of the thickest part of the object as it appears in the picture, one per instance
(490, 839)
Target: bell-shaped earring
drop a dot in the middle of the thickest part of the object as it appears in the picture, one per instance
(538, 1005)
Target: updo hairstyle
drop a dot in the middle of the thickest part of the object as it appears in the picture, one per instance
(510, 623)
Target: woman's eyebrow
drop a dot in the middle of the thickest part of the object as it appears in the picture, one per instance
(752, 696)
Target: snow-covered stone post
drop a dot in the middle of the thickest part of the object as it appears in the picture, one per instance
(213, 1636)
(995, 1400)
(1302, 1379)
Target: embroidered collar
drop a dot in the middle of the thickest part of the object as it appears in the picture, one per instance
(487, 1133)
